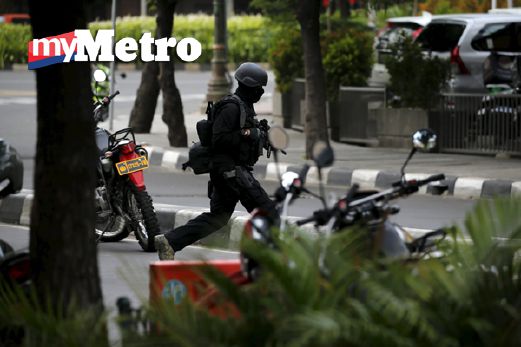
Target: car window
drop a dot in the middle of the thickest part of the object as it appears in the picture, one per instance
(505, 37)
(412, 26)
(440, 37)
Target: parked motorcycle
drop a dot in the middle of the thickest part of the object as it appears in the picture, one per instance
(368, 208)
(499, 112)
(122, 203)
(373, 210)
(15, 271)
(14, 265)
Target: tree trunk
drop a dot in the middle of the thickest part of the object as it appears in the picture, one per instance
(62, 241)
(142, 114)
(172, 106)
(308, 13)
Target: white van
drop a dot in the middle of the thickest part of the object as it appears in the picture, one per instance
(467, 39)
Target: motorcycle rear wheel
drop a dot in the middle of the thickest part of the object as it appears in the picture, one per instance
(144, 221)
(111, 228)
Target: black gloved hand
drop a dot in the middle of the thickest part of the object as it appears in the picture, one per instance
(263, 125)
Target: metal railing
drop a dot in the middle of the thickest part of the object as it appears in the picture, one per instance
(482, 124)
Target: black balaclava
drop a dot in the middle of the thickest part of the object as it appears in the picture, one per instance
(249, 95)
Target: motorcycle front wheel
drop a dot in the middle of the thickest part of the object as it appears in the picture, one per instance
(143, 218)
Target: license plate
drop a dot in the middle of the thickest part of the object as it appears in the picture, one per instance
(133, 165)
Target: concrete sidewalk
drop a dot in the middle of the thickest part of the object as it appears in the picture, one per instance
(468, 176)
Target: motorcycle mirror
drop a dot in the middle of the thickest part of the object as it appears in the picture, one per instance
(424, 139)
(278, 137)
(323, 154)
(99, 76)
(287, 179)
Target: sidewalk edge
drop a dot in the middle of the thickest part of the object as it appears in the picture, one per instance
(460, 187)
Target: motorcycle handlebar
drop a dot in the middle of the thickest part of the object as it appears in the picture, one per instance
(108, 99)
(433, 178)
(113, 95)
(406, 188)
(305, 221)
(320, 217)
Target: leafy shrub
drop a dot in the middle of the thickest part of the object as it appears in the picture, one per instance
(248, 39)
(458, 6)
(286, 57)
(332, 291)
(348, 60)
(331, 295)
(13, 43)
(415, 78)
(347, 57)
(392, 11)
(247, 35)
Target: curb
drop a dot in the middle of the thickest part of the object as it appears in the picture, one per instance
(15, 209)
(460, 187)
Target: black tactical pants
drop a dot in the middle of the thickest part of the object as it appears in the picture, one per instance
(224, 196)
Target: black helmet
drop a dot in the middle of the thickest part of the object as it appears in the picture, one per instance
(251, 75)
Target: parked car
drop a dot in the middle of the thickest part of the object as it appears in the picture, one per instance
(397, 27)
(465, 39)
(11, 170)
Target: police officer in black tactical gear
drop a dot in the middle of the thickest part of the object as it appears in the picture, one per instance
(235, 150)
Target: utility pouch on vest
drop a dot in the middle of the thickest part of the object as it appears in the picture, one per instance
(199, 159)
(204, 131)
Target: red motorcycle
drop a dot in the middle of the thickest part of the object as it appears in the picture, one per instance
(122, 203)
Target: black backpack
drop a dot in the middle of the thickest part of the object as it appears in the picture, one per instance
(200, 153)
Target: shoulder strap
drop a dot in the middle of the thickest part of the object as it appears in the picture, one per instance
(236, 100)
(209, 109)
(242, 110)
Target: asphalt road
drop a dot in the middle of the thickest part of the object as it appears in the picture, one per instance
(185, 189)
(123, 265)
